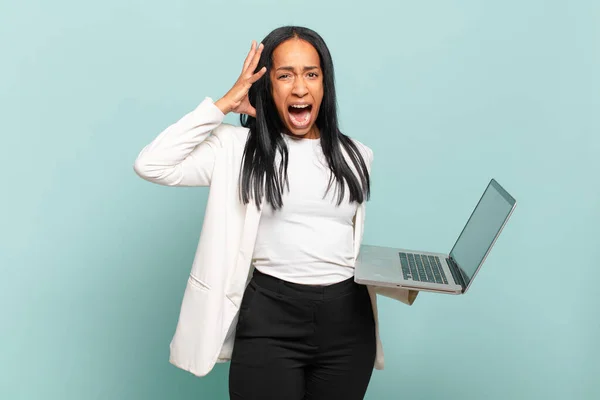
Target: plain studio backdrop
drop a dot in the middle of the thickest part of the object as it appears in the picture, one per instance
(448, 94)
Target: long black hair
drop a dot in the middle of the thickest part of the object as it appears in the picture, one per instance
(259, 174)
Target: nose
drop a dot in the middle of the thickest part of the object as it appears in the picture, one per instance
(300, 89)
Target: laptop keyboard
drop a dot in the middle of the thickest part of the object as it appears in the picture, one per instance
(422, 268)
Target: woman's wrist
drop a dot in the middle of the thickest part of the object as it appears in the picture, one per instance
(223, 105)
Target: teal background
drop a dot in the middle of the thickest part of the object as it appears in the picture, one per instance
(447, 93)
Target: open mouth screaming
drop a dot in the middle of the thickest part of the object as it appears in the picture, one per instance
(300, 115)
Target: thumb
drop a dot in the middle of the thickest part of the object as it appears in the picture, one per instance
(251, 111)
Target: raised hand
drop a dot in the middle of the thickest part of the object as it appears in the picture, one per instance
(236, 99)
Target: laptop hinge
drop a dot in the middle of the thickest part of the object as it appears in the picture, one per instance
(457, 275)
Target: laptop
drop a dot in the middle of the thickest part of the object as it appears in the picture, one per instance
(451, 273)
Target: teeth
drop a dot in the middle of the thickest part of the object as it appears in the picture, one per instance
(299, 105)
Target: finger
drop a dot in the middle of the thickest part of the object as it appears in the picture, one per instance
(250, 56)
(256, 58)
(257, 75)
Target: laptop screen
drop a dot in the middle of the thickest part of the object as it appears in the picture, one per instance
(481, 229)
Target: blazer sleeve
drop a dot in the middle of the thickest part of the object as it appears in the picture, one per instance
(184, 153)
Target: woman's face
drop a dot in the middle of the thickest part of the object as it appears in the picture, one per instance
(297, 87)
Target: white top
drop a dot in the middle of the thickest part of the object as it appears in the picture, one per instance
(310, 239)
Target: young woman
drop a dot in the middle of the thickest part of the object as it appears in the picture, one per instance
(272, 287)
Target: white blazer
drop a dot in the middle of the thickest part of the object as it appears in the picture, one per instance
(201, 150)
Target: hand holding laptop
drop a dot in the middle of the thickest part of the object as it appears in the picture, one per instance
(450, 273)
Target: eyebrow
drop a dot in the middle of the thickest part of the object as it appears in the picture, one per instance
(292, 68)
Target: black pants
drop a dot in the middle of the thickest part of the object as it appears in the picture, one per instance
(297, 342)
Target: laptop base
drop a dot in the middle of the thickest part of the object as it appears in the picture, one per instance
(381, 266)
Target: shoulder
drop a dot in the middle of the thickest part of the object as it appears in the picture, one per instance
(365, 150)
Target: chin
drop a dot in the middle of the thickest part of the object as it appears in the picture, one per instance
(299, 132)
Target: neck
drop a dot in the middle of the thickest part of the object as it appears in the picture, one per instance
(312, 134)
